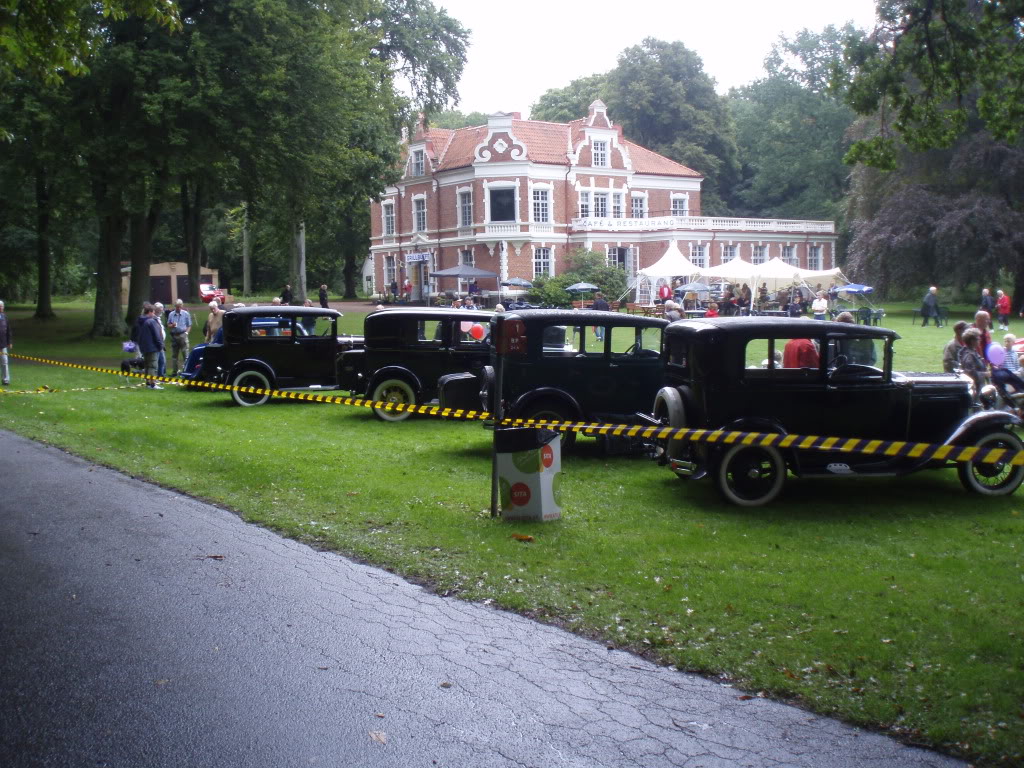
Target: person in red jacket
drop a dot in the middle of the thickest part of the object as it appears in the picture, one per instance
(1003, 310)
(664, 291)
(800, 353)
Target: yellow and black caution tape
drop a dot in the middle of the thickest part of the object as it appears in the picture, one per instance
(887, 448)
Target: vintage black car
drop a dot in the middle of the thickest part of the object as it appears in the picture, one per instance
(408, 349)
(563, 365)
(276, 348)
(807, 377)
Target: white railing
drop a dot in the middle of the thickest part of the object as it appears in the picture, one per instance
(512, 228)
(703, 223)
(542, 229)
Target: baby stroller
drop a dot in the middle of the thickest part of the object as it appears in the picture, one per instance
(133, 362)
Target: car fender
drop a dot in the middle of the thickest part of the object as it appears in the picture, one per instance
(395, 372)
(543, 393)
(981, 423)
(251, 363)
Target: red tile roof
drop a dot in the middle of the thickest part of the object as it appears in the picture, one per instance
(545, 143)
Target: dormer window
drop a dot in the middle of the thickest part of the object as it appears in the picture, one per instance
(600, 154)
(418, 163)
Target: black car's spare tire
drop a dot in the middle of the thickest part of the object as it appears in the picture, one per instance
(670, 411)
(395, 391)
(1000, 479)
(250, 377)
(750, 475)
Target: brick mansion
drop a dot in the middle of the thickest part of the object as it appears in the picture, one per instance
(515, 197)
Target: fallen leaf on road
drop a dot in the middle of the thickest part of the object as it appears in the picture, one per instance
(378, 714)
(446, 685)
(161, 682)
(379, 736)
(744, 697)
(209, 557)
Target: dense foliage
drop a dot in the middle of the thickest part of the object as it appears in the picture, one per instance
(583, 266)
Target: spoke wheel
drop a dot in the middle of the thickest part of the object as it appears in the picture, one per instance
(750, 476)
(396, 392)
(999, 479)
(250, 378)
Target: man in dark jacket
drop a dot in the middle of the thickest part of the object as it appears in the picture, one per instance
(286, 295)
(323, 297)
(147, 335)
(6, 344)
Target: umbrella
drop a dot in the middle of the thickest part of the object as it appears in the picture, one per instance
(694, 288)
(464, 272)
(856, 288)
(583, 287)
(517, 282)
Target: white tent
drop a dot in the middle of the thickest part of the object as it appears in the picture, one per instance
(819, 275)
(778, 274)
(672, 264)
(735, 271)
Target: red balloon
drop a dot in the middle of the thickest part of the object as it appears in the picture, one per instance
(477, 331)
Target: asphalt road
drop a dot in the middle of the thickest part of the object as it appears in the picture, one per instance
(142, 628)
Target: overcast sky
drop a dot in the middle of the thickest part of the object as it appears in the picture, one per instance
(519, 50)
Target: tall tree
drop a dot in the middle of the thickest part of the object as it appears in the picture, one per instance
(928, 66)
(665, 101)
(561, 105)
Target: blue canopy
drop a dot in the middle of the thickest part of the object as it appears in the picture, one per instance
(856, 288)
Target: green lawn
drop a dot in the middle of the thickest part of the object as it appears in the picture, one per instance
(895, 604)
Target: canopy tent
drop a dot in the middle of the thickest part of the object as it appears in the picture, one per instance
(778, 274)
(672, 264)
(464, 272)
(734, 271)
(819, 275)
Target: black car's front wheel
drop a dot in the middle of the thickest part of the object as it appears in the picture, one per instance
(993, 479)
(750, 475)
(394, 392)
(250, 378)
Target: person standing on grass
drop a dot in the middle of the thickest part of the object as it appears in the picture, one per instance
(983, 322)
(930, 306)
(286, 295)
(179, 322)
(1003, 310)
(820, 306)
(5, 345)
(158, 315)
(215, 321)
(323, 296)
(987, 303)
(951, 353)
(147, 336)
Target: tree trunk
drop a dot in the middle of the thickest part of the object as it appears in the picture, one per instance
(299, 264)
(139, 289)
(1017, 299)
(107, 318)
(44, 300)
(191, 211)
(246, 252)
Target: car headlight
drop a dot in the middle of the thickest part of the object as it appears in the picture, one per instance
(988, 396)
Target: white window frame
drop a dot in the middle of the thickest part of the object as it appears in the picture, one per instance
(419, 213)
(600, 205)
(728, 253)
(814, 257)
(616, 205)
(390, 269)
(699, 255)
(465, 209)
(789, 256)
(638, 206)
(498, 185)
(388, 217)
(418, 163)
(680, 205)
(584, 205)
(759, 254)
(542, 262)
(600, 154)
(541, 207)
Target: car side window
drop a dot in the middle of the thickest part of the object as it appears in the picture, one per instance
(579, 340)
(629, 342)
(270, 328)
(782, 358)
(316, 327)
(471, 334)
(427, 333)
